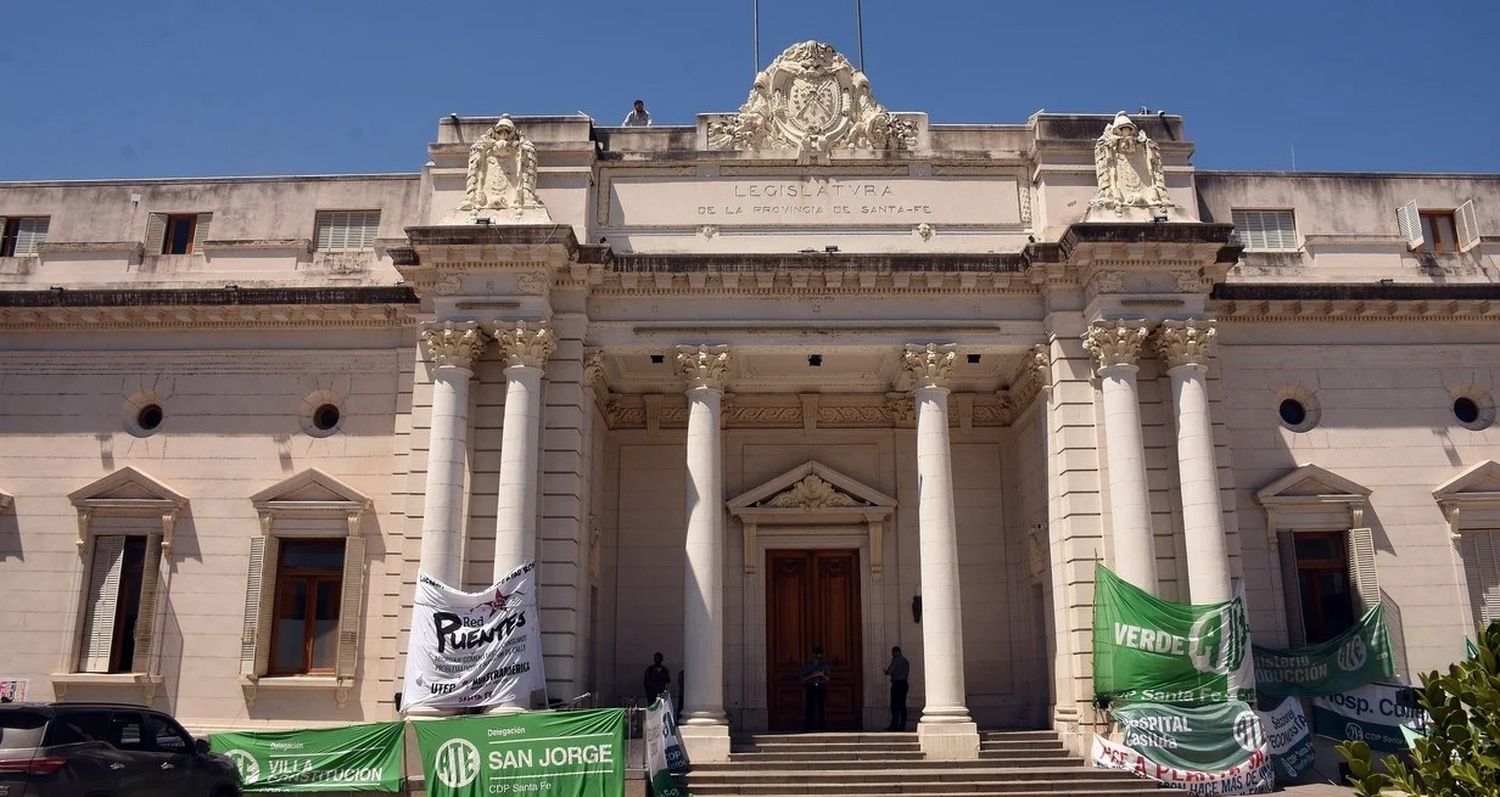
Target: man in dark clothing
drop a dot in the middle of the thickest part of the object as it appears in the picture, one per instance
(899, 671)
(814, 688)
(657, 679)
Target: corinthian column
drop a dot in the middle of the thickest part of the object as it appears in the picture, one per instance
(705, 370)
(525, 349)
(1116, 346)
(945, 730)
(452, 347)
(1184, 346)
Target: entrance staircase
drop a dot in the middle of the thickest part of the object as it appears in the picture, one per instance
(1011, 763)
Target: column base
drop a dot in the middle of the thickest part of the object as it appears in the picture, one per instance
(502, 710)
(707, 743)
(948, 741)
(427, 713)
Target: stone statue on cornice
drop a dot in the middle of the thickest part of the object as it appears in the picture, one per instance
(502, 172)
(1128, 166)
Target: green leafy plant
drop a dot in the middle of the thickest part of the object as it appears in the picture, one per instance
(1460, 754)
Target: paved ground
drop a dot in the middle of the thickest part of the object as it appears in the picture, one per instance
(1319, 790)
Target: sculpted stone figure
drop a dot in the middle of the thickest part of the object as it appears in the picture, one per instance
(812, 101)
(502, 171)
(1128, 167)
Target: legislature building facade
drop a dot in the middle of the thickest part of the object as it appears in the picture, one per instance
(812, 373)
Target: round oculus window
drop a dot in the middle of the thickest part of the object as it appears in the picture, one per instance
(1292, 412)
(149, 417)
(1466, 410)
(326, 417)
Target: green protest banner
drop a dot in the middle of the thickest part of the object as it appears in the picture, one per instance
(1373, 713)
(1359, 656)
(665, 755)
(555, 753)
(351, 758)
(1289, 740)
(1151, 650)
(1196, 738)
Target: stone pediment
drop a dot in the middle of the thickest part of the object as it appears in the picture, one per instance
(309, 492)
(1471, 499)
(1311, 497)
(125, 489)
(6, 499)
(811, 487)
(810, 100)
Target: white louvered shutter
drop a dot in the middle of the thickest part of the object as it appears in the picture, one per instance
(1481, 557)
(30, 232)
(1362, 574)
(1291, 588)
(351, 607)
(346, 230)
(260, 602)
(156, 233)
(1465, 219)
(145, 624)
(1409, 221)
(200, 230)
(103, 595)
(1273, 230)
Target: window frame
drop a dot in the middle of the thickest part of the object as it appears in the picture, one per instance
(174, 222)
(1433, 243)
(10, 235)
(1338, 564)
(286, 579)
(1291, 214)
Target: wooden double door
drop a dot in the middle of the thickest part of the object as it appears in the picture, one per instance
(812, 600)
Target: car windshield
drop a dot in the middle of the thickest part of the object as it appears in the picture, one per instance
(20, 729)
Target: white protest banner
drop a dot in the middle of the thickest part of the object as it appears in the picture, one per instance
(1252, 776)
(1289, 740)
(665, 755)
(469, 649)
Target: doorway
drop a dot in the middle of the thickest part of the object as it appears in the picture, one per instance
(812, 598)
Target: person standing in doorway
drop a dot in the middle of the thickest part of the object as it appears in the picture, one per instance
(815, 690)
(658, 678)
(899, 671)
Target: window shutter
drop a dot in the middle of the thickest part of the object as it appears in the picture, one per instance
(1409, 220)
(156, 233)
(29, 233)
(260, 598)
(346, 230)
(1482, 570)
(1465, 219)
(104, 589)
(1362, 568)
(1273, 230)
(200, 230)
(1291, 588)
(145, 624)
(350, 607)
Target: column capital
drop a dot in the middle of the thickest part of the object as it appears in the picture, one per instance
(455, 344)
(1039, 366)
(1185, 342)
(593, 371)
(703, 367)
(524, 343)
(930, 365)
(1115, 343)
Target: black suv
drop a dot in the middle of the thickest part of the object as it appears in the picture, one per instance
(105, 750)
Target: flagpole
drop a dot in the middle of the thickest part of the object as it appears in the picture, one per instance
(755, 25)
(859, 29)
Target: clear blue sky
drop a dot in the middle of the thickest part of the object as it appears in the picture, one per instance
(201, 87)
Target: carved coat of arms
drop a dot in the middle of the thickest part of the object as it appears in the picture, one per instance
(811, 100)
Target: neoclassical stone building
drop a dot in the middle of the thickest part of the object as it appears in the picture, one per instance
(811, 373)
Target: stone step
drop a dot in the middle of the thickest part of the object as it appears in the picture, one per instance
(986, 786)
(828, 748)
(855, 761)
(1020, 744)
(1038, 734)
(942, 771)
(820, 756)
(831, 736)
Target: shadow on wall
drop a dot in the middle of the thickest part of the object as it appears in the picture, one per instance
(10, 536)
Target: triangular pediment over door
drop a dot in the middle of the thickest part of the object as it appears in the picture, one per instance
(813, 494)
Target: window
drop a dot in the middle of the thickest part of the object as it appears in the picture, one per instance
(128, 731)
(117, 582)
(176, 233)
(20, 236)
(167, 736)
(1273, 230)
(1323, 582)
(309, 579)
(1439, 231)
(346, 230)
